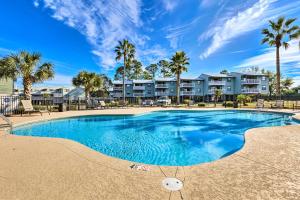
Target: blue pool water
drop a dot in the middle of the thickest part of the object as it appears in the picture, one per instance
(173, 138)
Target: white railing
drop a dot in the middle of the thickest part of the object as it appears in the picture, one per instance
(187, 85)
(251, 81)
(216, 82)
(161, 86)
(213, 91)
(118, 95)
(138, 94)
(188, 93)
(250, 91)
(118, 88)
(138, 87)
(161, 93)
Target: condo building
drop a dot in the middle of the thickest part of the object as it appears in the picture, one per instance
(198, 89)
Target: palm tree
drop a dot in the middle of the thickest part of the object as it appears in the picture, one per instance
(218, 94)
(152, 69)
(90, 82)
(178, 65)
(125, 50)
(277, 35)
(27, 66)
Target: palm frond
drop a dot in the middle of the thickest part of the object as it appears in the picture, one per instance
(285, 45)
(288, 22)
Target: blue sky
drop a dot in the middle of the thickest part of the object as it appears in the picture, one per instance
(82, 34)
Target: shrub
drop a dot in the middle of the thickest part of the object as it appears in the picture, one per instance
(201, 104)
(186, 101)
(228, 104)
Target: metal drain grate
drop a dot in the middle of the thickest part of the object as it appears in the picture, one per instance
(172, 184)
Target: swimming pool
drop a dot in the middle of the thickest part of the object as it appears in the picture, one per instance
(170, 138)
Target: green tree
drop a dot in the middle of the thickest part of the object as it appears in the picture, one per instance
(178, 65)
(146, 75)
(278, 35)
(286, 85)
(126, 51)
(90, 81)
(243, 99)
(164, 67)
(224, 71)
(28, 66)
(217, 95)
(119, 73)
(137, 70)
(152, 69)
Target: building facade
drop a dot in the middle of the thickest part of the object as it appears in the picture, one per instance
(6, 87)
(201, 88)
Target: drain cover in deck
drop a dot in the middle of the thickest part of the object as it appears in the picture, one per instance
(172, 184)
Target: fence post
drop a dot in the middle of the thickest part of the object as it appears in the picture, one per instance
(78, 103)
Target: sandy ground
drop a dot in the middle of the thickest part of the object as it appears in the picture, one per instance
(268, 167)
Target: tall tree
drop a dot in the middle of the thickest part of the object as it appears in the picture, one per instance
(178, 65)
(126, 51)
(27, 66)
(119, 73)
(137, 69)
(217, 95)
(164, 67)
(278, 35)
(146, 75)
(90, 81)
(152, 69)
(224, 71)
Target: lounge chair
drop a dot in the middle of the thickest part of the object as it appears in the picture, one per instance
(103, 105)
(260, 103)
(278, 104)
(27, 107)
(122, 104)
(296, 105)
(91, 104)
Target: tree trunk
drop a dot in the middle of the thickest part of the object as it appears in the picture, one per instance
(178, 89)
(27, 88)
(124, 71)
(277, 71)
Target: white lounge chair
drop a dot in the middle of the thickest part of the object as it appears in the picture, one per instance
(296, 105)
(278, 104)
(260, 103)
(27, 107)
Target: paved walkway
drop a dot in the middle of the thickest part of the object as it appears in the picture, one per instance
(268, 167)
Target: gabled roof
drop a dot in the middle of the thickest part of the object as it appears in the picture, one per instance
(218, 75)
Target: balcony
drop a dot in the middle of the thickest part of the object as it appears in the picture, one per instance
(161, 94)
(161, 86)
(213, 91)
(216, 82)
(138, 87)
(118, 95)
(117, 88)
(187, 93)
(250, 91)
(187, 85)
(138, 94)
(251, 81)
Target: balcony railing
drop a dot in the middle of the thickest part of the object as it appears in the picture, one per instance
(161, 93)
(118, 95)
(117, 88)
(138, 94)
(250, 91)
(161, 86)
(250, 81)
(187, 85)
(216, 82)
(138, 87)
(213, 91)
(187, 93)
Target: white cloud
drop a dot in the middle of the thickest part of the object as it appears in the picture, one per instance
(289, 60)
(36, 3)
(253, 18)
(170, 5)
(103, 23)
(152, 55)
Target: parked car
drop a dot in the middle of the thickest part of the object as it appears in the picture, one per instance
(148, 103)
(163, 101)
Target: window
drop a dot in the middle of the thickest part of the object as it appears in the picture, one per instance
(229, 88)
(229, 79)
(198, 82)
(199, 90)
(264, 87)
(128, 85)
(263, 78)
(149, 92)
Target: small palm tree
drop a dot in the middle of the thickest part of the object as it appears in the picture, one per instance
(152, 69)
(178, 65)
(90, 82)
(125, 50)
(278, 35)
(27, 66)
(218, 94)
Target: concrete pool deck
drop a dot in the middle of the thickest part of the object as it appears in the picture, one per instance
(268, 167)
